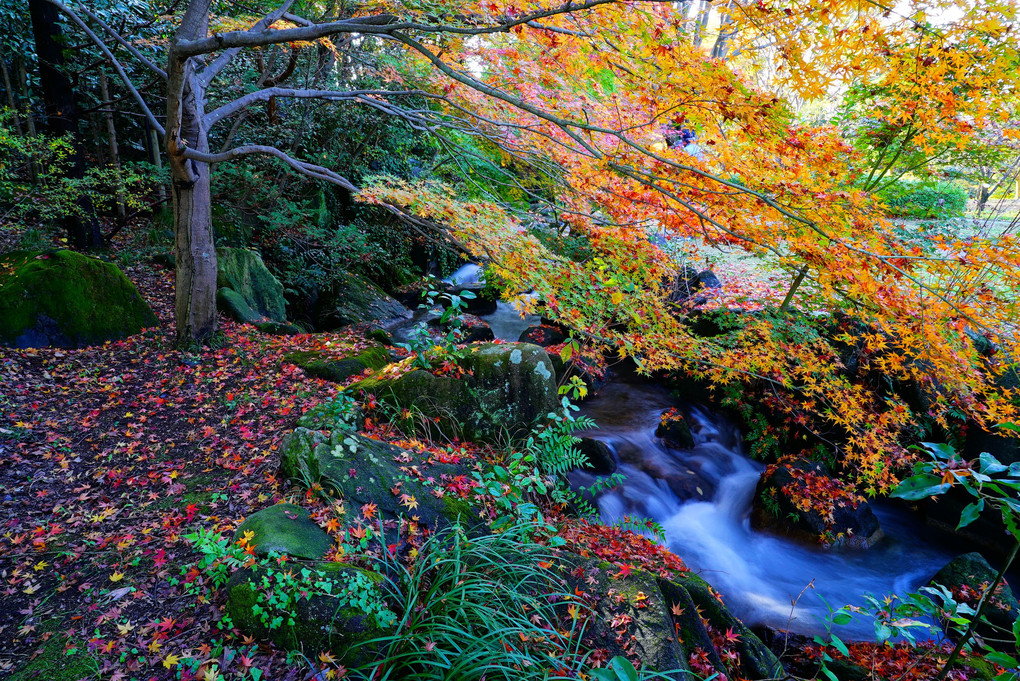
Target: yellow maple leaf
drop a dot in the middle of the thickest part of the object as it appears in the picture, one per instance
(171, 660)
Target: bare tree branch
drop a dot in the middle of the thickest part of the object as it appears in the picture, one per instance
(113, 60)
(124, 43)
(311, 170)
(263, 95)
(380, 24)
(210, 72)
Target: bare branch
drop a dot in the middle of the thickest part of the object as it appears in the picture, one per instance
(218, 64)
(380, 24)
(113, 60)
(263, 95)
(124, 43)
(311, 170)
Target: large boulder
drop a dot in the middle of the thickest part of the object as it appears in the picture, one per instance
(338, 368)
(246, 289)
(285, 528)
(800, 499)
(354, 300)
(677, 624)
(504, 391)
(363, 472)
(967, 576)
(66, 299)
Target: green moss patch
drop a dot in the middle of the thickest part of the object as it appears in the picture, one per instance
(66, 299)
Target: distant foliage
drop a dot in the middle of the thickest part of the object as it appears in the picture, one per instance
(909, 199)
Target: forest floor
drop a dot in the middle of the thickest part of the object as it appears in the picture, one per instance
(109, 456)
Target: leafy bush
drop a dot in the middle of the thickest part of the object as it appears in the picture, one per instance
(910, 199)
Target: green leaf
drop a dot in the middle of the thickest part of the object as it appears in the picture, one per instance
(624, 669)
(838, 644)
(989, 464)
(842, 618)
(970, 513)
(920, 487)
(256, 674)
(940, 450)
(828, 673)
(1001, 659)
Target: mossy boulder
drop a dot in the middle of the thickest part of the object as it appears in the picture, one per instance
(709, 617)
(506, 390)
(330, 367)
(339, 622)
(967, 576)
(247, 290)
(66, 299)
(279, 328)
(630, 617)
(354, 300)
(668, 623)
(285, 528)
(847, 523)
(363, 471)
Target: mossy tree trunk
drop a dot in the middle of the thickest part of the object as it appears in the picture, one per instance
(195, 291)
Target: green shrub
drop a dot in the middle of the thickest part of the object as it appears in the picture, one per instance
(910, 199)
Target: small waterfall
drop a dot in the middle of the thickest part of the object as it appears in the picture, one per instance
(702, 497)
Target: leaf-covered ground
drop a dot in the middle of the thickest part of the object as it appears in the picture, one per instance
(108, 456)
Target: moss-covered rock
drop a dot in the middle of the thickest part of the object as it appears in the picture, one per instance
(285, 528)
(967, 576)
(320, 623)
(630, 617)
(506, 390)
(364, 471)
(248, 291)
(66, 299)
(279, 328)
(709, 616)
(327, 366)
(356, 301)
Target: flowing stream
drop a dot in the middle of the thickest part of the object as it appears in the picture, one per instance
(702, 498)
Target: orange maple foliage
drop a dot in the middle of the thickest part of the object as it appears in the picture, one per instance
(586, 96)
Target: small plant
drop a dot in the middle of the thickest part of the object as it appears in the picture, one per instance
(278, 587)
(421, 342)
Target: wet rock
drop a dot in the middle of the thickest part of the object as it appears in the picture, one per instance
(285, 528)
(801, 500)
(473, 329)
(674, 430)
(600, 455)
(544, 335)
(967, 576)
(506, 389)
(67, 300)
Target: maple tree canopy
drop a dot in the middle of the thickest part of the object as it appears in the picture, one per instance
(586, 96)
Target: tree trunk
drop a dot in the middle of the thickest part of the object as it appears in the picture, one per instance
(111, 133)
(9, 89)
(62, 116)
(195, 251)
